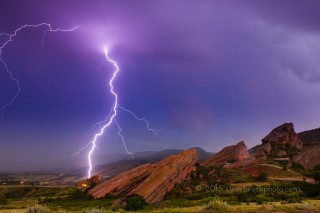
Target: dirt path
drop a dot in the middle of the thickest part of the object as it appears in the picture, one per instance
(308, 180)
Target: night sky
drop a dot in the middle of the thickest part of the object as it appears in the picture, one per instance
(207, 73)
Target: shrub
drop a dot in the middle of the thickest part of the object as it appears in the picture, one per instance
(3, 201)
(243, 197)
(294, 197)
(260, 199)
(134, 203)
(217, 205)
(262, 176)
(17, 193)
(37, 209)
(78, 194)
(316, 173)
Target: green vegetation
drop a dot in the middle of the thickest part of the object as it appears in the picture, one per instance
(263, 176)
(37, 209)
(216, 205)
(134, 203)
(316, 173)
(3, 202)
(300, 169)
(207, 189)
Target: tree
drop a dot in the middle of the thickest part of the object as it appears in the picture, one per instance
(316, 173)
(262, 176)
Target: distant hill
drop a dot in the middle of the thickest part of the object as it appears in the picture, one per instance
(310, 137)
(159, 155)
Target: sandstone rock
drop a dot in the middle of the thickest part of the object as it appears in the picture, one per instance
(229, 154)
(165, 175)
(259, 153)
(266, 146)
(309, 157)
(282, 136)
(280, 153)
(151, 181)
(122, 183)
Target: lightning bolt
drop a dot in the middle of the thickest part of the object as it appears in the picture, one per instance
(154, 131)
(122, 139)
(113, 113)
(10, 39)
(111, 118)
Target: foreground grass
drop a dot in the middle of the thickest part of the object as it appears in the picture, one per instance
(306, 206)
(68, 199)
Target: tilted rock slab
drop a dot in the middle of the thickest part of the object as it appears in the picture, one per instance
(122, 183)
(229, 154)
(165, 175)
(151, 181)
(309, 157)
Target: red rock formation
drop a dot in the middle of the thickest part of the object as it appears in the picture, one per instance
(280, 137)
(309, 157)
(229, 154)
(258, 153)
(122, 183)
(165, 175)
(151, 181)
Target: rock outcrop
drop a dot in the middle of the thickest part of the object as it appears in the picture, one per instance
(309, 157)
(229, 154)
(122, 183)
(258, 153)
(281, 137)
(165, 175)
(151, 181)
(310, 154)
(280, 140)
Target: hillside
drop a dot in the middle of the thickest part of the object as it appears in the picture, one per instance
(310, 137)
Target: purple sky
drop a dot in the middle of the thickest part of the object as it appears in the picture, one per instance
(208, 73)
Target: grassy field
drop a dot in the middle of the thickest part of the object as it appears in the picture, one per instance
(307, 206)
(225, 191)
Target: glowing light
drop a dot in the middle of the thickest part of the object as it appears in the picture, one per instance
(10, 39)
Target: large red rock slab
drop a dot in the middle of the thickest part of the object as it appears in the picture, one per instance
(165, 175)
(151, 181)
(122, 183)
